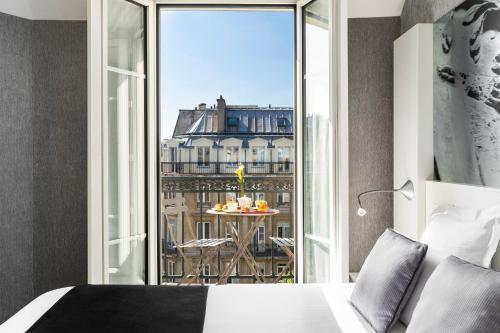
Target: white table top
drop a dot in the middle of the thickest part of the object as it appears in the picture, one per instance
(270, 212)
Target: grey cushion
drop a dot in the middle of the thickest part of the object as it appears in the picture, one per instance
(387, 278)
(459, 297)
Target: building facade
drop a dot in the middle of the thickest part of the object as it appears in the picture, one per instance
(197, 171)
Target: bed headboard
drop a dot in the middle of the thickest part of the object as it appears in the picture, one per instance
(438, 193)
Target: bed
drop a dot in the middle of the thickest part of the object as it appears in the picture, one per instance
(282, 307)
(249, 308)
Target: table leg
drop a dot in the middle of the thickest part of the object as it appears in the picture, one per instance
(243, 251)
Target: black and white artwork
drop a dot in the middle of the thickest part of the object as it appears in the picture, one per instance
(467, 94)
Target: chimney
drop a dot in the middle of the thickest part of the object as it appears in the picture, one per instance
(221, 114)
(202, 106)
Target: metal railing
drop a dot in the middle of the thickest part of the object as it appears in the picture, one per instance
(265, 251)
(225, 168)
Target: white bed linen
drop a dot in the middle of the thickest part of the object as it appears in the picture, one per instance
(250, 309)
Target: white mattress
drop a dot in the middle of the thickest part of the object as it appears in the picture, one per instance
(250, 309)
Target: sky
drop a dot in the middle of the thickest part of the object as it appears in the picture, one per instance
(245, 56)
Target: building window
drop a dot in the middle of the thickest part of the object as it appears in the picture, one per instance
(170, 195)
(203, 156)
(170, 271)
(283, 230)
(206, 272)
(233, 122)
(203, 199)
(284, 159)
(258, 156)
(260, 124)
(262, 268)
(232, 155)
(260, 238)
(203, 230)
(282, 122)
(283, 199)
(171, 231)
(259, 196)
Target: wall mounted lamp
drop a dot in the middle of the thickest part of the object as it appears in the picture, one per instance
(407, 190)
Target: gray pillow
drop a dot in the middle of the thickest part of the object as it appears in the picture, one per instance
(387, 279)
(459, 297)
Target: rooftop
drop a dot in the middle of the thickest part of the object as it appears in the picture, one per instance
(223, 120)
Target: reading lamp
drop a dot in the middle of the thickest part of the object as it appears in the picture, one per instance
(407, 190)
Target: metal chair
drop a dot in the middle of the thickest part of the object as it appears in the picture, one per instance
(286, 244)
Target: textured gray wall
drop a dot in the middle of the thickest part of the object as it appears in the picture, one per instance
(43, 233)
(370, 129)
(60, 154)
(425, 11)
(16, 165)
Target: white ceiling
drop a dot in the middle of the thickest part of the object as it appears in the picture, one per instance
(76, 9)
(375, 8)
(46, 9)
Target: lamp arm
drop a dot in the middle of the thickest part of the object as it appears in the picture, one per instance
(374, 191)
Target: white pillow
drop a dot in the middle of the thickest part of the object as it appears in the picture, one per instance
(469, 234)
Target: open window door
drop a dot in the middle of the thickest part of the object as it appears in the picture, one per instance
(318, 132)
(118, 141)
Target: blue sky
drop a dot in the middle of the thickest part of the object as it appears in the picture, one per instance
(246, 56)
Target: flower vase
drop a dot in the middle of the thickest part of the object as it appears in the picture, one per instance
(245, 202)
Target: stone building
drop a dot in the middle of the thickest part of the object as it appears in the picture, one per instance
(197, 170)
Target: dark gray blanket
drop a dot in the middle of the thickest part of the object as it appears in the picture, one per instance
(90, 308)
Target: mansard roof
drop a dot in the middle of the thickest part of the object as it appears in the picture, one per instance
(239, 120)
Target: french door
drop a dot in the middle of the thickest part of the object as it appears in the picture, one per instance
(119, 135)
(319, 120)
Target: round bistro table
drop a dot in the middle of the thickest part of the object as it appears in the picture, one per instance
(242, 241)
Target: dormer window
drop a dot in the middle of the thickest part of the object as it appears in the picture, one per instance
(233, 122)
(282, 122)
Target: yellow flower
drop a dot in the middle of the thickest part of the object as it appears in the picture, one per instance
(239, 172)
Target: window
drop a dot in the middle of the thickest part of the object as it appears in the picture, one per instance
(171, 231)
(260, 238)
(203, 199)
(173, 154)
(283, 199)
(203, 230)
(203, 156)
(283, 230)
(260, 124)
(259, 196)
(170, 271)
(233, 122)
(232, 155)
(258, 156)
(206, 272)
(282, 122)
(170, 195)
(284, 159)
(262, 268)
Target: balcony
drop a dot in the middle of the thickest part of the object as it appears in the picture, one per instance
(226, 168)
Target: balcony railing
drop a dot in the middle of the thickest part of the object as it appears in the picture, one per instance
(225, 168)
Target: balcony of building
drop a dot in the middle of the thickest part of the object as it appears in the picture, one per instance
(225, 168)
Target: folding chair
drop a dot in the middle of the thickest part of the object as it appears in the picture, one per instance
(286, 244)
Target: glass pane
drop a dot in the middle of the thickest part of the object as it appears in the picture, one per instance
(126, 36)
(126, 160)
(318, 199)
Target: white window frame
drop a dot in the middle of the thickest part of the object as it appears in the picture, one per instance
(205, 199)
(204, 226)
(205, 156)
(95, 134)
(259, 196)
(283, 203)
(284, 225)
(256, 156)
